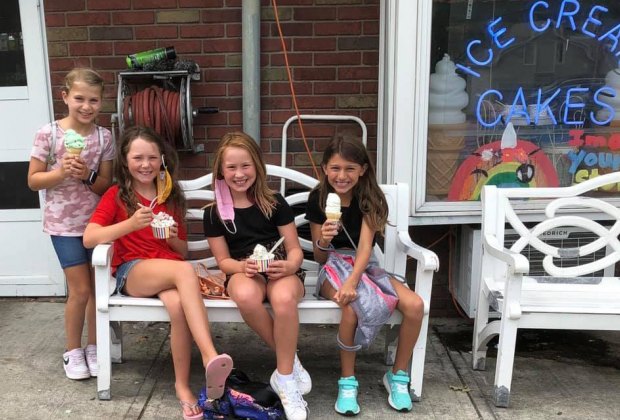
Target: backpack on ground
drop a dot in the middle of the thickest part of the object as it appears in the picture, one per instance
(243, 399)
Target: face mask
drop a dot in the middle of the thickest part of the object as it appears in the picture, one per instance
(164, 183)
(224, 202)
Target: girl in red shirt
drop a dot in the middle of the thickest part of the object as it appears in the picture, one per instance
(146, 266)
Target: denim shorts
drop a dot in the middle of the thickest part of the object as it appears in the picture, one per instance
(121, 275)
(71, 251)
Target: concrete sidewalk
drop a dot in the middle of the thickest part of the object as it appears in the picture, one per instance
(558, 374)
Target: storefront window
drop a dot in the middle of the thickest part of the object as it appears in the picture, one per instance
(522, 94)
(12, 65)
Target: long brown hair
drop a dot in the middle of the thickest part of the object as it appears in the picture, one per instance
(371, 199)
(126, 192)
(259, 193)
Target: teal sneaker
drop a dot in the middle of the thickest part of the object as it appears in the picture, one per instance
(346, 404)
(397, 386)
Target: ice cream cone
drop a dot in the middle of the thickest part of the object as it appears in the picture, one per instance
(75, 150)
(333, 217)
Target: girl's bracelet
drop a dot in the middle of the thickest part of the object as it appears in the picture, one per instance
(329, 247)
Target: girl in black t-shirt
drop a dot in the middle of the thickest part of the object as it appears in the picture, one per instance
(248, 213)
(348, 172)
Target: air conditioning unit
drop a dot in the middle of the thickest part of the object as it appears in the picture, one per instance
(467, 259)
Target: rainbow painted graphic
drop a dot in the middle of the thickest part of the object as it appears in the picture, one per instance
(522, 166)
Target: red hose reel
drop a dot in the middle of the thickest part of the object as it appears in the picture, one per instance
(160, 100)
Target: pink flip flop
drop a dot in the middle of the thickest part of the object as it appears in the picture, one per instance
(188, 405)
(217, 371)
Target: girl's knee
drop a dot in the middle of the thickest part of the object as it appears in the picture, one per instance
(284, 303)
(411, 306)
(348, 314)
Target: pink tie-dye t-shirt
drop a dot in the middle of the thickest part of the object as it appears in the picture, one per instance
(69, 205)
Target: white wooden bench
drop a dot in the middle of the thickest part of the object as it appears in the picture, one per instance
(575, 297)
(398, 246)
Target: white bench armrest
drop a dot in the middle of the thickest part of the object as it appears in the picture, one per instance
(517, 262)
(427, 258)
(102, 262)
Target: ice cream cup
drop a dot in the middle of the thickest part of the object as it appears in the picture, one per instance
(161, 232)
(75, 150)
(263, 263)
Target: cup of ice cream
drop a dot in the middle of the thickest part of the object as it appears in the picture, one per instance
(161, 224)
(332, 207)
(74, 142)
(262, 258)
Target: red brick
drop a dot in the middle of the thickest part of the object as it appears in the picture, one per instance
(337, 28)
(314, 13)
(201, 3)
(370, 87)
(358, 13)
(279, 117)
(341, 58)
(221, 45)
(275, 102)
(337, 88)
(316, 102)
(291, 29)
(156, 32)
(274, 45)
(85, 49)
(370, 58)
(54, 19)
(107, 5)
(134, 18)
(234, 89)
(233, 30)
(208, 89)
(220, 75)
(283, 88)
(88, 19)
(187, 46)
(313, 73)
(314, 44)
(126, 48)
(358, 73)
(64, 64)
(111, 63)
(221, 16)
(154, 4)
(206, 61)
(63, 5)
(202, 31)
(370, 28)
(294, 59)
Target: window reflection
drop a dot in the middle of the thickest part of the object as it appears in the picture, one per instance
(12, 63)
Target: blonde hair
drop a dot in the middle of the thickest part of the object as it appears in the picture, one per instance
(259, 193)
(82, 74)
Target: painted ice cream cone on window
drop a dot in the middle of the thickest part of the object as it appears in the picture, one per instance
(74, 142)
(612, 80)
(447, 98)
(332, 207)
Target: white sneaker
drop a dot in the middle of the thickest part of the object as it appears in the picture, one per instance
(293, 403)
(91, 359)
(75, 364)
(302, 377)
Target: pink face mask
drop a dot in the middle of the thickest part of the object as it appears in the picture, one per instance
(224, 202)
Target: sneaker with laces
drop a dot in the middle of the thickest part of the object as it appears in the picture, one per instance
(90, 352)
(302, 377)
(346, 404)
(75, 364)
(293, 403)
(397, 386)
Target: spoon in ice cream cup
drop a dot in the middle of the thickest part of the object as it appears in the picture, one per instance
(277, 244)
(153, 201)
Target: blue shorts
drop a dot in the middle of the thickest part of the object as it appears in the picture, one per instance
(71, 251)
(121, 274)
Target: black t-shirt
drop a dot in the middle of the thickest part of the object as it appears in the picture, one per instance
(351, 219)
(252, 227)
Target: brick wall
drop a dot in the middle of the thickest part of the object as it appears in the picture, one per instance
(333, 53)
